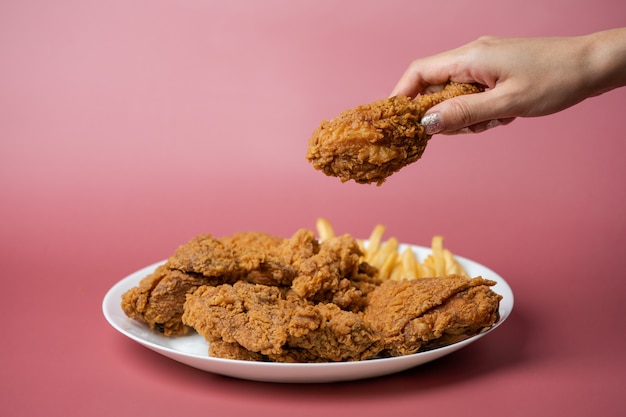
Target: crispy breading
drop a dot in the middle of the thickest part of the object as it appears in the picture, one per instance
(251, 256)
(411, 314)
(265, 320)
(335, 274)
(158, 299)
(258, 297)
(225, 350)
(257, 258)
(372, 141)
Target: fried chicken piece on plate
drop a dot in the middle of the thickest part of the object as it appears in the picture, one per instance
(335, 274)
(158, 299)
(370, 142)
(265, 320)
(337, 335)
(430, 312)
(204, 260)
(225, 350)
(251, 256)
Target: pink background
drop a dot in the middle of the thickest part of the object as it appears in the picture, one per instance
(128, 127)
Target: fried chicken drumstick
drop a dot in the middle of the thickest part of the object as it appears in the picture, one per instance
(372, 141)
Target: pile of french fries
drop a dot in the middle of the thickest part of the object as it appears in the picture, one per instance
(395, 265)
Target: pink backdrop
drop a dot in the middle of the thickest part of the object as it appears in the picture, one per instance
(127, 127)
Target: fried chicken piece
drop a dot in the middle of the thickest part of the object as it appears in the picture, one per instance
(265, 320)
(225, 350)
(338, 335)
(251, 256)
(204, 260)
(335, 274)
(300, 246)
(370, 142)
(430, 312)
(158, 299)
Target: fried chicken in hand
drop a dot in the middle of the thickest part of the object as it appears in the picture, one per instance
(372, 141)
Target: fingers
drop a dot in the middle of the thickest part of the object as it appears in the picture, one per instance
(470, 113)
(409, 85)
(423, 73)
(481, 127)
(433, 124)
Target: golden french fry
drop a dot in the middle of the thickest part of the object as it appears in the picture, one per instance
(397, 273)
(324, 229)
(410, 267)
(428, 267)
(452, 265)
(387, 266)
(449, 264)
(388, 249)
(374, 242)
(437, 256)
(392, 264)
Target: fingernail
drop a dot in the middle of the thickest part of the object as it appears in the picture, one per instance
(432, 123)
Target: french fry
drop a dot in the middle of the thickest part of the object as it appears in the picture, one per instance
(386, 257)
(374, 242)
(438, 261)
(411, 269)
(452, 267)
(387, 250)
(397, 273)
(427, 267)
(392, 264)
(324, 229)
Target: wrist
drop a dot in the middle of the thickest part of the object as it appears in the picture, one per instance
(606, 60)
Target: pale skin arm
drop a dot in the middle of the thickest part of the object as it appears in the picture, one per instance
(524, 77)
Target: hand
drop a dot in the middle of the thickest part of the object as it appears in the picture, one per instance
(523, 77)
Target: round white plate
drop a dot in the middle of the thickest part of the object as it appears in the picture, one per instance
(192, 350)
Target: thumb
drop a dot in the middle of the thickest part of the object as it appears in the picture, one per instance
(463, 112)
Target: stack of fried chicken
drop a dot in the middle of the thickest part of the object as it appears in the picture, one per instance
(259, 297)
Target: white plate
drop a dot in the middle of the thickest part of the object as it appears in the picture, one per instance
(192, 350)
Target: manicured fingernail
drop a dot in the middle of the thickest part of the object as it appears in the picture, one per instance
(432, 123)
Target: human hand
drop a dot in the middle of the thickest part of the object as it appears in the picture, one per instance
(523, 77)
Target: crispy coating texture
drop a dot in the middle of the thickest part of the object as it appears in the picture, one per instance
(430, 312)
(335, 274)
(260, 298)
(264, 320)
(370, 142)
(159, 298)
(326, 272)
(252, 256)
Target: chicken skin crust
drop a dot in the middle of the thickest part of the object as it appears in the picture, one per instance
(248, 320)
(372, 141)
(326, 272)
(257, 297)
(425, 313)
